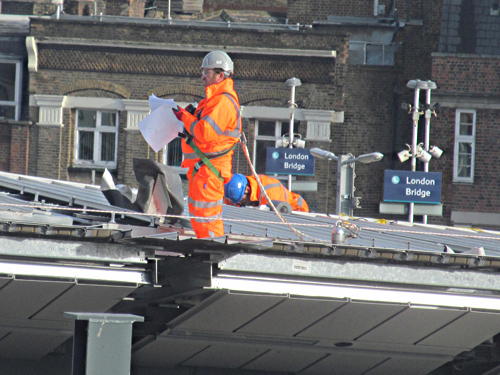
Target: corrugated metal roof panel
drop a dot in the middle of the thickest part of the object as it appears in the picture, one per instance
(372, 233)
(67, 192)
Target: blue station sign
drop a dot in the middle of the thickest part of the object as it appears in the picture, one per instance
(417, 187)
(295, 161)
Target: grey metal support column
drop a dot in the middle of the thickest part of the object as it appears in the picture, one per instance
(345, 185)
(106, 344)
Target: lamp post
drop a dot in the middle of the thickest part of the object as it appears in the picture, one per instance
(427, 115)
(345, 200)
(292, 83)
(422, 151)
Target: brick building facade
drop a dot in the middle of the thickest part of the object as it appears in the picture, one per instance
(465, 68)
(75, 75)
(352, 103)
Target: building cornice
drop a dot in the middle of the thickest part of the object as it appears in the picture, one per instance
(450, 100)
(187, 47)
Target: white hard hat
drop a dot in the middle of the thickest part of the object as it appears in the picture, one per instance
(218, 59)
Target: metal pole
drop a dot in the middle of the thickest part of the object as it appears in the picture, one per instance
(345, 184)
(340, 177)
(415, 117)
(291, 130)
(428, 114)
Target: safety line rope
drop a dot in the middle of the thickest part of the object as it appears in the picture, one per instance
(263, 190)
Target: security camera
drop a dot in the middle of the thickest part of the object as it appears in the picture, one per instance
(436, 152)
(424, 156)
(299, 143)
(404, 155)
(283, 142)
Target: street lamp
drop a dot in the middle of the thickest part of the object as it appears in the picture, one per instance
(292, 83)
(422, 151)
(345, 200)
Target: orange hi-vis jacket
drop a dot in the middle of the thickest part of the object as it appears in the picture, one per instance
(276, 192)
(215, 129)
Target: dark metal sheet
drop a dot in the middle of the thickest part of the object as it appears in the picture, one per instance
(286, 360)
(29, 345)
(229, 312)
(351, 320)
(411, 325)
(467, 331)
(407, 366)
(22, 298)
(165, 352)
(4, 281)
(290, 317)
(84, 298)
(225, 356)
(344, 364)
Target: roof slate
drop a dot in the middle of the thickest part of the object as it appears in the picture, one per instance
(470, 27)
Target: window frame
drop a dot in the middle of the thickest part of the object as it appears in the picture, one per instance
(278, 124)
(165, 149)
(459, 139)
(16, 103)
(364, 45)
(97, 146)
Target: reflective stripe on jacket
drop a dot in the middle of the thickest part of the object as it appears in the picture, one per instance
(276, 192)
(216, 129)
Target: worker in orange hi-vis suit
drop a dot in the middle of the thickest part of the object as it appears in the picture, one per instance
(244, 191)
(211, 134)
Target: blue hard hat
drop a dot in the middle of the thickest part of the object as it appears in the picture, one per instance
(235, 189)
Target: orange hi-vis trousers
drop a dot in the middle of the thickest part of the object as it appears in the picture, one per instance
(205, 198)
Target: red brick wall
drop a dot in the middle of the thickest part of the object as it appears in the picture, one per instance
(481, 195)
(14, 145)
(476, 78)
(469, 74)
(4, 146)
(307, 11)
(19, 144)
(269, 5)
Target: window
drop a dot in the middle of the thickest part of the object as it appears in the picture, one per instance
(10, 89)
(172, 153)
(267, 133)
(368, 53)
(495, 8)
(465, 134)
(96, 138)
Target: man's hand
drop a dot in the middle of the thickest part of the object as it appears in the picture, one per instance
(178, 112)
(183, 115)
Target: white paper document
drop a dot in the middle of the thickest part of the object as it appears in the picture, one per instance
(155, 102)
(161, 126)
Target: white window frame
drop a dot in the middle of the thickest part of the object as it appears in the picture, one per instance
(16, 103)
(97, 162)
(470, 139)
(384, 48)
(165, 159)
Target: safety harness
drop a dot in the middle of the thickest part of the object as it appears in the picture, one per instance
(204, 158)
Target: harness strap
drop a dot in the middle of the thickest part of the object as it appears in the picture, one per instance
(205, 158)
